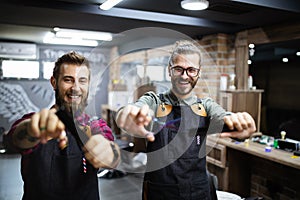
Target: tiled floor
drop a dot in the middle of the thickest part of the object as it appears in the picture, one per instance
(125, 188)
(10, 178)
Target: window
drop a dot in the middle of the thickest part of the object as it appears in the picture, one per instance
(20, 69)
(48, 69)
(155, 73)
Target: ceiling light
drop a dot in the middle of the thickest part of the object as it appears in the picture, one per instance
(50, 38)
(2, 150)
(251, 45)
(194, 4)
(285, 60)
(65, 36)
(89, 35)
(55, 29)
(298, 53)
(108, 4)
(251, 52)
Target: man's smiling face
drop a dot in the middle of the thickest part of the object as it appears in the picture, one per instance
(182, 85)
(72, 86)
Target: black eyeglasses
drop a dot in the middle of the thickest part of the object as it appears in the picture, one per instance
(179, 71)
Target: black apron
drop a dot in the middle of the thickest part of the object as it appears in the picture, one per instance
(52, 173)
(184, 147)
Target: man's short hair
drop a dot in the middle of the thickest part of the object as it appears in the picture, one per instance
(185, 47)
(69, 58)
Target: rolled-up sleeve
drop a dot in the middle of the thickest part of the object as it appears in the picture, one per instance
(216, 114)
(100, 127)
(11, 146)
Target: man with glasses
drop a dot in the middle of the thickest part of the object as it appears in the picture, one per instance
(176, 124)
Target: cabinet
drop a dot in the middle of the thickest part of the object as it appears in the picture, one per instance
(216, 163)
(243, 100)
(247, 170)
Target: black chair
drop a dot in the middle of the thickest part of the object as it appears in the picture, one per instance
(213, 184)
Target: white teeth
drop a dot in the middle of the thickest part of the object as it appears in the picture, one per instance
(183, 82)
(73, 97)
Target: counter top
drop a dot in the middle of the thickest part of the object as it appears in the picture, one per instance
(243, 91)
(256, 149)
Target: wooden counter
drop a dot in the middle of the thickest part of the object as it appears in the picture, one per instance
(256, 149)
(247, 170)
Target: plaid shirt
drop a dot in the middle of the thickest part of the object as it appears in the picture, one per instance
(98, 126)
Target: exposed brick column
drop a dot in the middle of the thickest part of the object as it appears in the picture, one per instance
(218, 58)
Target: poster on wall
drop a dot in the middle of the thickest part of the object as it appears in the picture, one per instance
(20, 97)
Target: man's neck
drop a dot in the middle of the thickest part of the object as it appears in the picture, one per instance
(63, 109)
(182, 97)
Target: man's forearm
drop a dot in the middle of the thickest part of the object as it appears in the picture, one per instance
(116, 155)
(21, 138)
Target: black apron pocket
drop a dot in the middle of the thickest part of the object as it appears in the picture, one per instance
(200, 190)
(156, 191)
(66, 173)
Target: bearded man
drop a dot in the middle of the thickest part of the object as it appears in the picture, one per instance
(62, 147)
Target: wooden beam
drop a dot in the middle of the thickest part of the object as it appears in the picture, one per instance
(287, 5)
(241, 60)
(275, 33)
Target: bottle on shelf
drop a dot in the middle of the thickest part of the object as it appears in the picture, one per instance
(250, 82)
(223, 81)
(232, 80)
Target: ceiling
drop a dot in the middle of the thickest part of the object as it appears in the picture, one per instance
(29, 20)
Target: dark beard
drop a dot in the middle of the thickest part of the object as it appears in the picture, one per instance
(69, 107)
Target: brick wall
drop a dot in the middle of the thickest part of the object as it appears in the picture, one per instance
(218, 58)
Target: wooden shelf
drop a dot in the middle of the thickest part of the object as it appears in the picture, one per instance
(243, 100)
